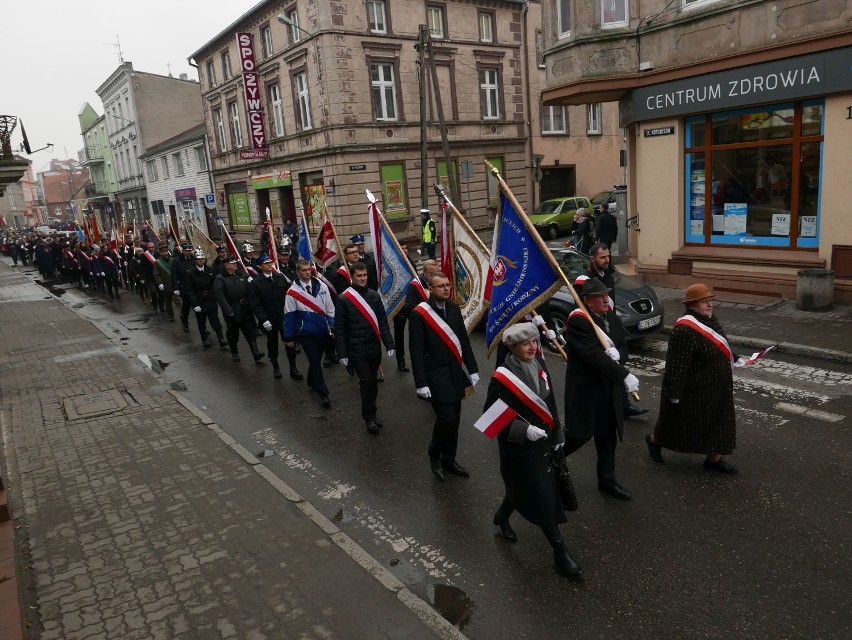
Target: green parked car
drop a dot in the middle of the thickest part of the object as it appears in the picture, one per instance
(555, 216)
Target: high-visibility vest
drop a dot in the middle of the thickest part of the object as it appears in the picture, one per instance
(427, 232)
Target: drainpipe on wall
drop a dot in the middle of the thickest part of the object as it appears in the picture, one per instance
(529, 162)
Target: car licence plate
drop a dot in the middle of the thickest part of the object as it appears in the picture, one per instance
(647, 323)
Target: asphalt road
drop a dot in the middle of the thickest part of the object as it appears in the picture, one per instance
(763, 554)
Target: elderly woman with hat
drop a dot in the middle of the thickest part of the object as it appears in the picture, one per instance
(524, 384)
(697, 397)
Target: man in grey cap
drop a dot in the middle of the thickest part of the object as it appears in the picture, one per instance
(429, 231)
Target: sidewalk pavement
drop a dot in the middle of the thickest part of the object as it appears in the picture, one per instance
(135, 516)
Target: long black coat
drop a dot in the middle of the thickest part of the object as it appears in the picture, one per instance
(267, 296)
(180, 272)
(606, 228)
(354, 337)
(232, 296)
(198, 290)
(525, 464)
(699, 375)
(432, 363)
(593, 381)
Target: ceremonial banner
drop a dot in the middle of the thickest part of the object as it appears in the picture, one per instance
(470, 271)
(304, 242)
(232, 248)
(200, 239)
(396, 271)
(373, 215)
(326, 252)
(524, 276)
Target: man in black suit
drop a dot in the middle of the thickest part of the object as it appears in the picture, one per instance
(593, 384)
(413, 296)
(606, 226)
(439, 345)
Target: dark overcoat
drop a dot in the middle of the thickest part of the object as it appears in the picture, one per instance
(525, 464)
(432, 363)
(267, 296)
(232, 295)
(198, 290)
(699, 375)
(354, 337)
(593, 381)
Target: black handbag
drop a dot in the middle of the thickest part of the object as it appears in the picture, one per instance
(563, 480)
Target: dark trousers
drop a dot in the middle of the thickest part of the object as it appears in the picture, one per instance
(445, 432)
(110, 285)
(184, 312)
(430, 249)
(166, 298)
(232, 333)
(605, 446)
(156, 296)
(272, 339)
(399, 336)
(211, 312)
(368, 383)
(313, 347)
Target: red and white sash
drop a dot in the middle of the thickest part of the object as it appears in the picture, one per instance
(306, 299)
(149, 257)
(71, 257)
(440, 327)
(84, 255)
(528, 398)
(419, 286)
(108, 259)
(343, 271)
(359, 303)
(713, 336)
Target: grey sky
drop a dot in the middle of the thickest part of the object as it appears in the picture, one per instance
(56, 53)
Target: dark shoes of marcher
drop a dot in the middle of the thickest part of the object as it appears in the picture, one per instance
(616, 491)
(325, 401)
(295, 374)
(720, 465)
(632, 411)
(654, 450)
(373, 426)
(437, 471)
(566, 565)
(276, 373)
(402, 366)
(455, 469)
(506, 530)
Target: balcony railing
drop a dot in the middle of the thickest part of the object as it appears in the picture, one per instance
(90, 155)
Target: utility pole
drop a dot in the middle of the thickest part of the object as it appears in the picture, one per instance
(421, 85)
(441, 123)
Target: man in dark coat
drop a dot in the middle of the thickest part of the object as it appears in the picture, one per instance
(198, 294)
(181, 267)
(146, 277)
(418, 291)
(606, 226)
(232, 295)
(360, 328)
(593, 382)
(268, 293)
(163, 278)
(372, 275)
(439, 345)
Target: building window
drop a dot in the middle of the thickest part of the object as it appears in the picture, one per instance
(489, 94)
(435, 20)
(226, 65)
(563, 17)
(593, 119)
(384, 91)
(553, 120)
(152, 171)
(539, 48)
(266, 41)
(177, 160)
(187, 209)
(303, 100)
(693, 3)
(376, 16)
(753, 176)
(613, 13)
(277, 109)
(201, 158)
(491, 184)
(486, 26)
(234, 118)
(164, 162)
(221, 144)
(293, 17)
(211, 75)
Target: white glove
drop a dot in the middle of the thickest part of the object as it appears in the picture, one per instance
(197, 309)
(534, 433)
(344, 362)
(674, 400)
(613, 353)
(550, 334)
(559, 446)
(176, 292)
(741, 362)
(474, 379)
(141, 282)
(537, 321)
(162, 287)
(103, 275)
(267, 325)
(631, 383)
(391, 353)
(250, 278)
(423, 392)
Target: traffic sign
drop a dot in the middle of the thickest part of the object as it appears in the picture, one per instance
(210, 200)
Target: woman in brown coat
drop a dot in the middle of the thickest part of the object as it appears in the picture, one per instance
(697, 398)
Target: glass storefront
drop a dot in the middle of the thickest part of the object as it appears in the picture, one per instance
(753, 176)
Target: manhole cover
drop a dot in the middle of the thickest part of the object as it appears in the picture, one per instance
(94, 404)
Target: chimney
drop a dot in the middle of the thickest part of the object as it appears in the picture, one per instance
(183, 76)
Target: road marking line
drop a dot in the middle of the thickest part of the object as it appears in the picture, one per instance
(825, 416)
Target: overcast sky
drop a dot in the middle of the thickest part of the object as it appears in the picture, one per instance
(56, 53)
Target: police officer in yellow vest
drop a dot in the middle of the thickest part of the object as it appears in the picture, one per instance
(430, 233)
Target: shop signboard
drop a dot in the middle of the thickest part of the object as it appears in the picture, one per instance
(254, 107)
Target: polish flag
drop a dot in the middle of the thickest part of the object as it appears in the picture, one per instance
(325, 253)
(495, 419)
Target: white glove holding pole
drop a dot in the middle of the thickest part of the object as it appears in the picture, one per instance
(613, 353)
(550, 334)
(741, 362)
(534, 433)
(474, 379)
(423, 392)
(631, 383)
(162, 287)
(537, 321)
(267, 325)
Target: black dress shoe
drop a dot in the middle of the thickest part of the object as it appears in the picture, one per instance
(456, 469)
(720, 465)
(437, 471)
(378, 422)
(632, 411)
(506, 530)
(276, 373)
(402, 366)
(235, 357)
(380, 377)
(372, 427)
(325, 401)
(654, 450)
(567, 566)
(295, 374)
(616, 491)
(186, 328)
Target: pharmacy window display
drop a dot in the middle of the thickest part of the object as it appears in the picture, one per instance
(753, 176)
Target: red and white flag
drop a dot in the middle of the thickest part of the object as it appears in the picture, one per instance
(376, 233)
(326, 246)
(495, 419)
(446, 249)
(758, 355)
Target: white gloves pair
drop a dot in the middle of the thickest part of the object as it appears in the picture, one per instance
(612, 352)
(267, 325)
(162, 287)
(631, 383)
(197, 309)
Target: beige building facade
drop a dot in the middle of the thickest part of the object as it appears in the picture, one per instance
(736, 115)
